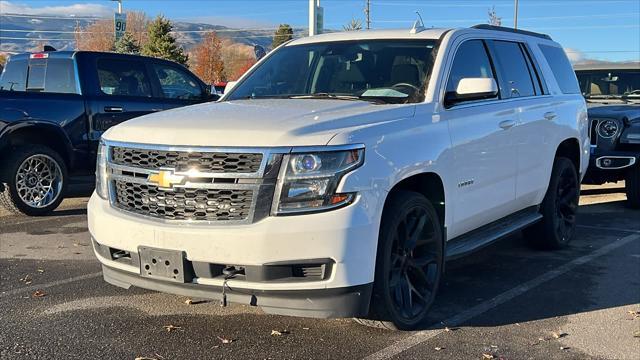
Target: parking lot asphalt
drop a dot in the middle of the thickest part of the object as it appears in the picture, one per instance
(506, 301)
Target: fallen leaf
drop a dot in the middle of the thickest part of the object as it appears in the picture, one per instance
(225, 341)
(41, 271)
(564, 348)
(39, 293)
(636, 334)
(438, 348)
(279, 333)
(145, 358)
(558, 335)
(487, 356)
(305, 328)
(188, 302)
(171, 328)
(634, 313)
(26, 279)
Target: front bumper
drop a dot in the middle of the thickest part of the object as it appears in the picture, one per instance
(350, 301)
(346, 238)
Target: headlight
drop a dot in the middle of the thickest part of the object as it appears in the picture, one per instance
(608, 129)
(309, 181)
(101, 172)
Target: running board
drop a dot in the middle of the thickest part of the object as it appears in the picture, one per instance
(488, 234)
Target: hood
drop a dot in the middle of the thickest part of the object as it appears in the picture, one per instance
(627, 112)
(257, 123)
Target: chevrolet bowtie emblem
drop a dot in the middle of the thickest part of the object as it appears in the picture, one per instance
(165, 179)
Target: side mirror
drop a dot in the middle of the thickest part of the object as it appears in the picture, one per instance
(472, 89)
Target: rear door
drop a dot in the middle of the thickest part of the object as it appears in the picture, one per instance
(522, 88)
(178, 86)
(124, 90)
(483, 147)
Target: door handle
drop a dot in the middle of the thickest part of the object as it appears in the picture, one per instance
(550, 115)
(113, 109)
(507, 124)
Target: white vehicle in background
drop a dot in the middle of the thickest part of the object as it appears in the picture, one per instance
(337, 176)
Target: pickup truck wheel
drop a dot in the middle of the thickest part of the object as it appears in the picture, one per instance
(558, 209)
(632, 183)
(408, 265)
(34, 181)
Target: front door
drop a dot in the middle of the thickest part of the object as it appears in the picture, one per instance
(485, 158)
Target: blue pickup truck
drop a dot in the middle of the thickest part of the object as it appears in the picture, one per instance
(55, 105)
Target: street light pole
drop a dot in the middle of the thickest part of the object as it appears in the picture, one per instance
(367, 12)
(119, 6)
(515, 15)
(312, 18)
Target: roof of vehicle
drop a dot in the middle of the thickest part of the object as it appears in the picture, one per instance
(635, 65)
(430, 33)
(70, 54)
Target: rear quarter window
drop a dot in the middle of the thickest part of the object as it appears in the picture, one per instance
(561, 68)
(40, 75)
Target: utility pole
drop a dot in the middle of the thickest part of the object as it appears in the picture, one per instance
(515, 15)
(313, 16)
(367, 13)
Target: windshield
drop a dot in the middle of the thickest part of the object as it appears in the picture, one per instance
(389, 71)
(610, 84)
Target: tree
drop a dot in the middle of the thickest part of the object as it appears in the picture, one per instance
(494, 19)
(98, 36)
(282, 35)
(207, 59)
(127, 45)
(237, 59)
(137, 24)
(3, 60)
(162, 44)
(353, 25)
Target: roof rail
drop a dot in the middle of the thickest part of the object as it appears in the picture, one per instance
(511, 30)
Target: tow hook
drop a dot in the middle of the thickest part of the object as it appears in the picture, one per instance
(229, 272)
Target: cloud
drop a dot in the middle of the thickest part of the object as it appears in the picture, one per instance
(87, 9)
(574, 55)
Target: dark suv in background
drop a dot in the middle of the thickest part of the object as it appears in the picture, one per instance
(612, 92)
(55, 105)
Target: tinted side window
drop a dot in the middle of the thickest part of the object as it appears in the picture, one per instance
(561, 67)
(177, 84)
(124, 78)
(471, 61)
(41, 75)
(515, 79)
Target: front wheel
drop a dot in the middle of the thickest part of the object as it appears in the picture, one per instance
(632, 183)
(558, 208)
(34, 181)
(409, 263)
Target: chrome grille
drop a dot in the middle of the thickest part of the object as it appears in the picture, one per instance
(184, 203)
(196, 185)
(210, 162)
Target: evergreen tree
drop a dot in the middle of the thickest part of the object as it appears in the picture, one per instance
(127, 45)
(162, 44)
(282, 35)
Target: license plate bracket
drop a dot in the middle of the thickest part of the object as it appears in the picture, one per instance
(162, 264)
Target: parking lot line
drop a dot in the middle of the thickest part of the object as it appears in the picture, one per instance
(424, 335)
(49, 284)
(608, 228)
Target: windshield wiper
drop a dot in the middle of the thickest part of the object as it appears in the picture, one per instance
(336, 97)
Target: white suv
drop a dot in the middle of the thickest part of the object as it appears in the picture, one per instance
(337, 176)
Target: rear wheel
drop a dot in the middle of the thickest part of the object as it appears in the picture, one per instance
(408, 265)
(558, 208)
(34, 181)
(632, 183)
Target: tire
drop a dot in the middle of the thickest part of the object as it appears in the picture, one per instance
(409, 263)
(558, 209)
(30, 169)
(632, 183)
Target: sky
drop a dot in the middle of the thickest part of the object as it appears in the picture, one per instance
(589, 29)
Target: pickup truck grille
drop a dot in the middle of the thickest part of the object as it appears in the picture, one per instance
(210, 162)
(184, 203)
(194, 185)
